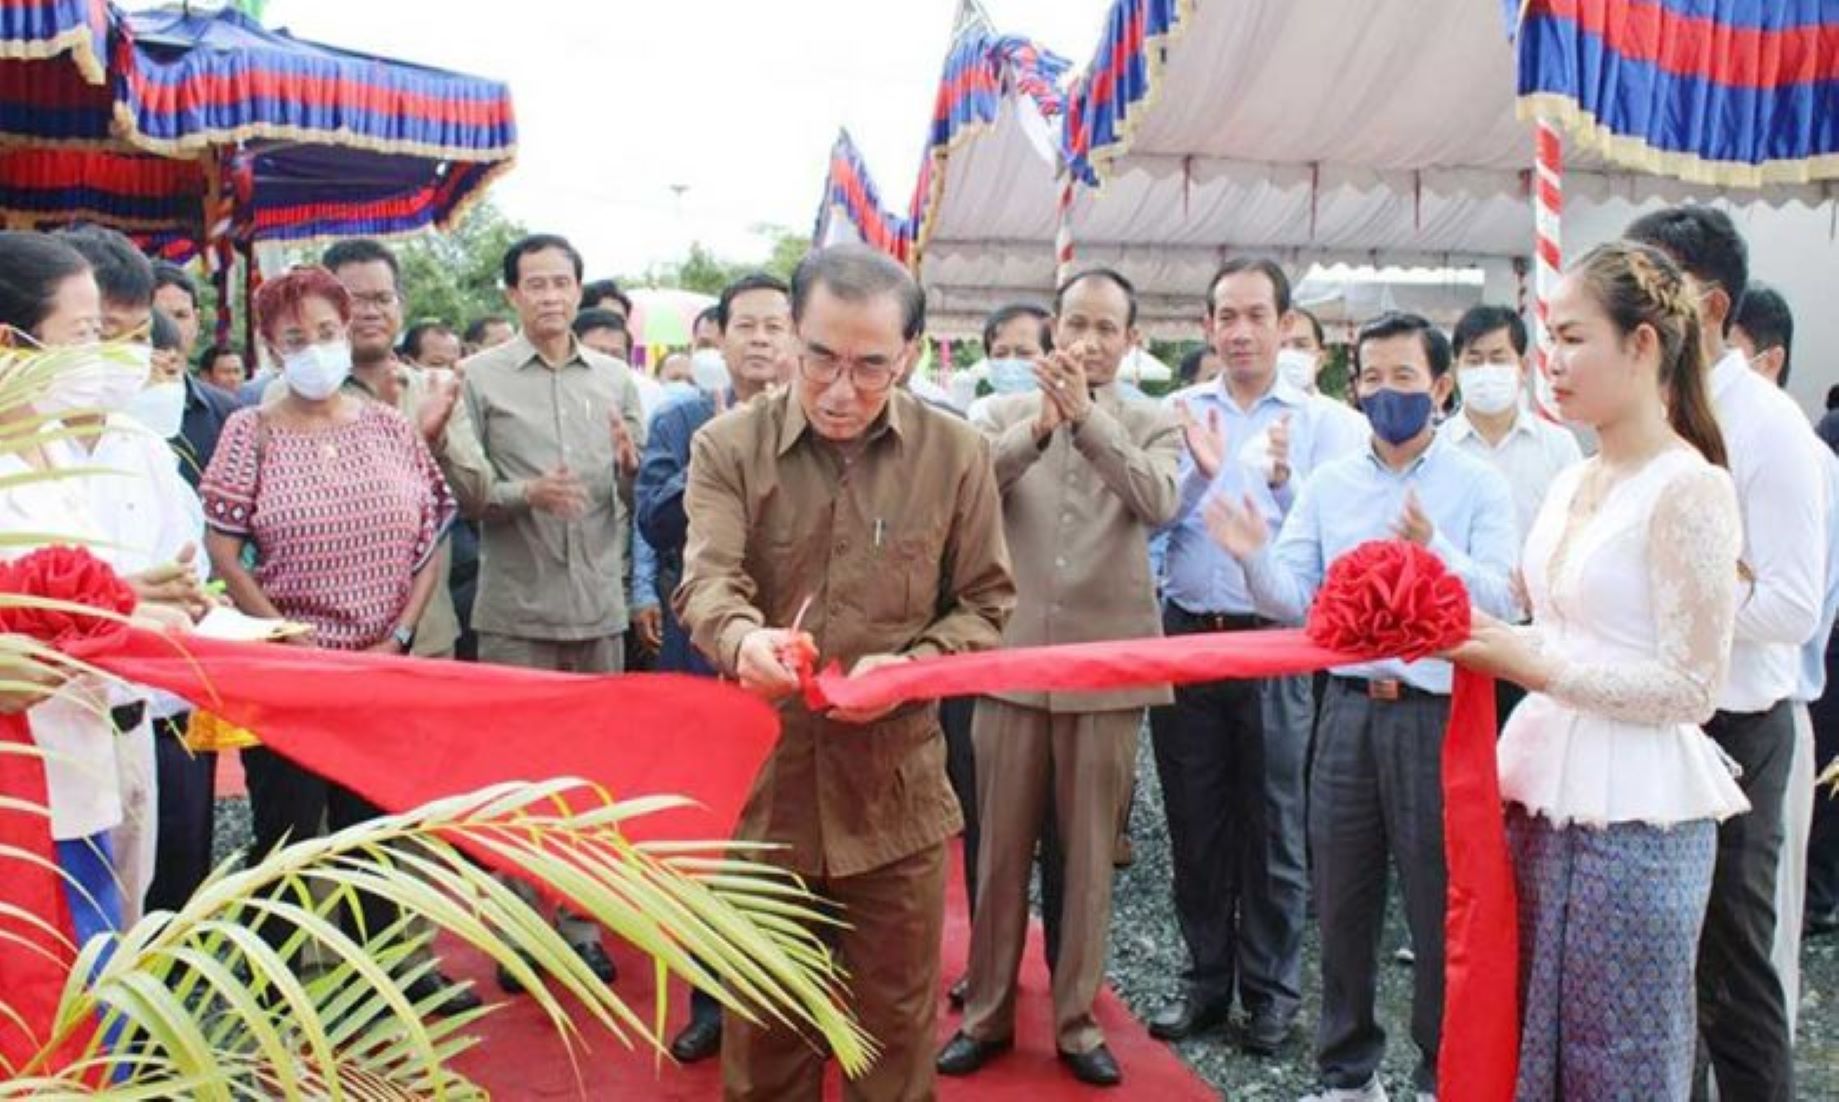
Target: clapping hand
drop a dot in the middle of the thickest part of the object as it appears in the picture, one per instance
(1206, 442)
(559, 493)
(1413, 522)
(1238, 527)
(437, 408)
(625, 452)
(1279, 437)
(1063, 378)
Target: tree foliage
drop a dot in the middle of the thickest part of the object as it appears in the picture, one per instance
(704, 272)
(455, 276)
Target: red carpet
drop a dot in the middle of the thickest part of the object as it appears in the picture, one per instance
(522, 1058)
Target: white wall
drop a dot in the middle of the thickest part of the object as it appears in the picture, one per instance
(1793, 248)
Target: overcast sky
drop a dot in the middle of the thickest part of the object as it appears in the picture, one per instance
(736, 101)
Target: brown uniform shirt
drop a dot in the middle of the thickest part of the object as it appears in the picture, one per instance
(901, 551)
(543, 576)
(1078, 514)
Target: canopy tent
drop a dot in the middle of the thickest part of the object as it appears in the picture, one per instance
(196, 129)
(1307, 129)
(996, 119)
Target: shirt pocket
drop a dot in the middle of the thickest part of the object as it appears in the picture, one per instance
(903, 581)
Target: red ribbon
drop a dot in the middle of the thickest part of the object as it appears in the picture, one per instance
(1478, 1058)
(402, 732)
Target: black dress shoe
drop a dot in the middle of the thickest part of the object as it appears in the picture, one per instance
(959, 992)
(597, 961)
(1185, 1017)
(701, 1039)
(458, 1001)
(1265, 1033)
(1097, 1068)
(964, 1054)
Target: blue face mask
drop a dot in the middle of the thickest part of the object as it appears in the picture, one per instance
(1011, 376)
(1396, 416)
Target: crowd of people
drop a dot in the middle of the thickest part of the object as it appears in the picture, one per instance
(1654, 585)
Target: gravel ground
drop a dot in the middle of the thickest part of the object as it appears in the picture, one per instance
(1147, 956)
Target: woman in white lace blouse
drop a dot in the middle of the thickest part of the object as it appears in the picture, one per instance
(1613, 791)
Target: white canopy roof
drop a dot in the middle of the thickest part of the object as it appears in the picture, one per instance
(1310, 129)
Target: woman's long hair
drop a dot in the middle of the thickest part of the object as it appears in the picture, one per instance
(1640, 285)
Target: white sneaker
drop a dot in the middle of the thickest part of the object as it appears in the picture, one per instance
(1374, 1091)
(1426, 1096)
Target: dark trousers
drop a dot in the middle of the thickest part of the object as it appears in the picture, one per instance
(289, 803)
(187, 786)
(1376, 790)
(961, 770)
(1743, 1016)
(1243, 929)
(1823, 840)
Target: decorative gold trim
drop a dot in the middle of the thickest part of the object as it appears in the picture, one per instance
(1155, 49)
(78, 42)
(127, 127)
(1633, 152)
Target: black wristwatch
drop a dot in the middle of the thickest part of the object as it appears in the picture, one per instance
(405, 638)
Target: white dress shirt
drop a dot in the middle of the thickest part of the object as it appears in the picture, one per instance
(82, 782)
(147, 513)
(1530, 457)
(1776, 461)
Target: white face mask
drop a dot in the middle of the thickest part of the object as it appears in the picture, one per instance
(100, 382)
(160, 407)
(709, 369)
(317, 371)
(1490, 389)
(1296, 367)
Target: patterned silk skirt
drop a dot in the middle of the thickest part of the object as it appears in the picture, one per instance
(1609, 932)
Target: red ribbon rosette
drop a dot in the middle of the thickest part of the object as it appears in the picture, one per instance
(1390, 599)
(74, 576)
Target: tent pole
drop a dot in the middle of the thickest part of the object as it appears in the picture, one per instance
(1548, 256)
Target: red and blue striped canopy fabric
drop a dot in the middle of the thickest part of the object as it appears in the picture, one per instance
(1727, 92)
(1120, 78)
(981, 71)
(325, 142)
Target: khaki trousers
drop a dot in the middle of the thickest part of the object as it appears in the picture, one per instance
(890, 951)
(1086, 761)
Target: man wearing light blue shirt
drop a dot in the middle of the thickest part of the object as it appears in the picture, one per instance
(1231, 754)
(1376, 786)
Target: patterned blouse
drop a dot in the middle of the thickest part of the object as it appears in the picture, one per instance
(341, 518)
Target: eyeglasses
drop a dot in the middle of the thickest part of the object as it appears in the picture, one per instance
(824, 368)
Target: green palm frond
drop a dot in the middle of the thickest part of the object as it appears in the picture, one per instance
(212, 1009)
(1830, 777)
(214, 1002)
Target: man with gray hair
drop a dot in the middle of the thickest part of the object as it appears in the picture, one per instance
(845, 519)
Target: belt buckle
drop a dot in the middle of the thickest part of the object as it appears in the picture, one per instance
(1388, 691)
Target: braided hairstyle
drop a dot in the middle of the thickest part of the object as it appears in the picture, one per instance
(1639, 285)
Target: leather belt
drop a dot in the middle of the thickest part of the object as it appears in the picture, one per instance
(1385, 690)
(1218, 621)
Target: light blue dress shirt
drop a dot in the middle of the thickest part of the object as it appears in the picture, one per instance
(1194, 572)
(1352, 500)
